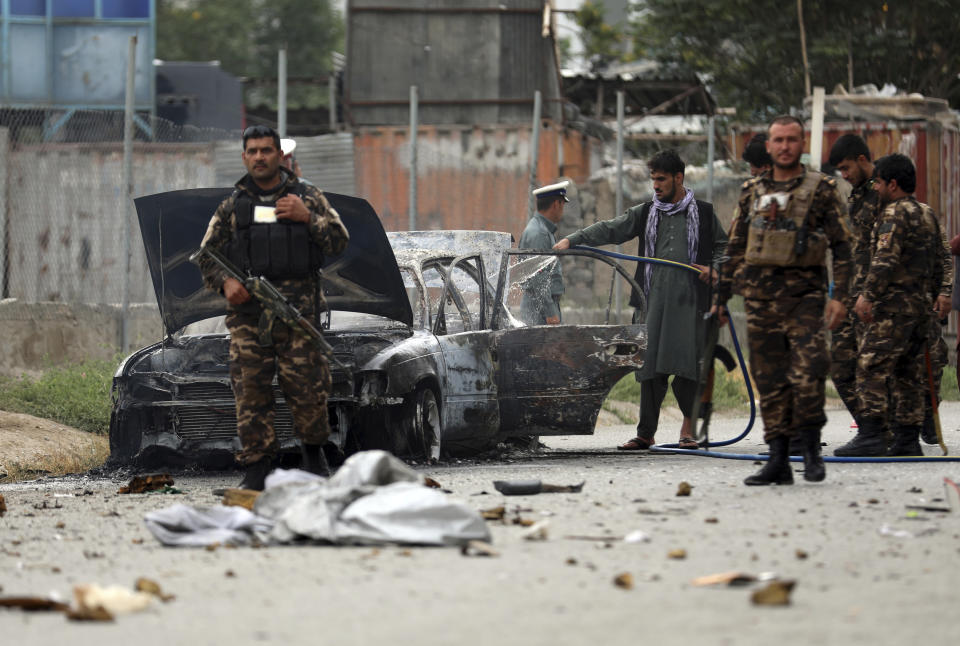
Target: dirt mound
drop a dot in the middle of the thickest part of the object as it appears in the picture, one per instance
(31, 445)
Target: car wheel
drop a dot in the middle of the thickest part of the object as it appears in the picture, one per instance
(422, 425)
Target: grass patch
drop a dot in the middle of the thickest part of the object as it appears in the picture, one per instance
(60, 462)
(729, 392)
(948, 385)
(76, 395)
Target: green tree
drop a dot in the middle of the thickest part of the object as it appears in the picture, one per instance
(244, 35)
(751, 53)
(602, 43)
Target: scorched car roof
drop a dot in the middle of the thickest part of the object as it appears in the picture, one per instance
(365, 278)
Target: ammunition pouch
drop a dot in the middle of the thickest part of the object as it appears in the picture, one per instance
(787, 240)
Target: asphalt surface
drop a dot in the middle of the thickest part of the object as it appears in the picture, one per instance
(867, 569)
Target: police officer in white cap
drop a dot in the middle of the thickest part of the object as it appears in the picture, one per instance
(541, 303)
(287, 146)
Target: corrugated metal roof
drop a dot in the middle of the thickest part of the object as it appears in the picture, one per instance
(647, 85)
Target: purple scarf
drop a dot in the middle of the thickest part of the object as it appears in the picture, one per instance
(687, 204)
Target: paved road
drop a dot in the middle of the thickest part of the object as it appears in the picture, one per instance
(854, 584)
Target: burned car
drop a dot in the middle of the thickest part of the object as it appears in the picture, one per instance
(428, 329)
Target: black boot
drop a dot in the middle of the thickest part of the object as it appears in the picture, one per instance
(314, 460)
(813, 468)
(906, 441)
(796, 446)
(777, 469)
(256, 474)
(868, 442)
(928, 432)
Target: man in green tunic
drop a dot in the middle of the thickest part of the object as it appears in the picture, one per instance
(674, 226)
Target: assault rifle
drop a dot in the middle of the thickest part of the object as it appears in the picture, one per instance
(273, 301)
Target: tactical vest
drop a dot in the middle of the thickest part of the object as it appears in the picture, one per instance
(781, 235)
(276, 250)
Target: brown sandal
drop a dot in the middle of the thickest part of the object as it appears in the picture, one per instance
(636, 444)
(687, 443)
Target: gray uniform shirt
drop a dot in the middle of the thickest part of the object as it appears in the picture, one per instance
(541, 300)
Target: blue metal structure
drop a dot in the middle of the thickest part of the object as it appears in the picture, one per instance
(72, 54)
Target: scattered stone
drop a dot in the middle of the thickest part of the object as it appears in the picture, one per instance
(678, 554)
(478, 548)
(775, 593)
(684, 489)
(624, 581)
(143, 584)
(240, 498)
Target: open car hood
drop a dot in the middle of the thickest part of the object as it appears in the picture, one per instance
(364, 278)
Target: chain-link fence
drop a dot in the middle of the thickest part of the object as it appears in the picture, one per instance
(63, 202)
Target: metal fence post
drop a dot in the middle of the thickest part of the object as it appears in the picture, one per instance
(282, 92)
(534, 153)
(128, 185)
(619, 200)
(414, 104)
(711, 135)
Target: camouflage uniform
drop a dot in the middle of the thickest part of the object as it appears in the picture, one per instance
(261, 345)
(905, 272)
(863, 207)
(784, 307)
(937, 346)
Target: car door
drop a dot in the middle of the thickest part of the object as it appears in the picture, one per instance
(470, 412)
(552, 379)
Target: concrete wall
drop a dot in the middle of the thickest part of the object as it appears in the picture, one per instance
(40, 335)
(66, 213)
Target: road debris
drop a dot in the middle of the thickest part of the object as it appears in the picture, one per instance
(478, 548)
(684, 489)
(373, 498)
(95, 603)
(3, 506)
(637, 536)
(240, 498)
(144, 484)
(624, 580)
(533, 487)
(494, 513)
(679, 554)
(537, 532)
(143, 584)
(775, 593)
(33, 604)
(732, 579)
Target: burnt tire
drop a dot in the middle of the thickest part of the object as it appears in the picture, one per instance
(422, 425)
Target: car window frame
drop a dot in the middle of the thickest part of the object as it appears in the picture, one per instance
(495, 322)
(476, 272)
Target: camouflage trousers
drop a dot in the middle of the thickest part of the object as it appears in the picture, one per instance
(789, 362)
(891, 368)
(303, 376)
(844, 349)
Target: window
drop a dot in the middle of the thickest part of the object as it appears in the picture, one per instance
(28, 7)
(125, 8)
(73, 8)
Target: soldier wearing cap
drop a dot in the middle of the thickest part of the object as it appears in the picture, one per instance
(674, 226)
(541, 301)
